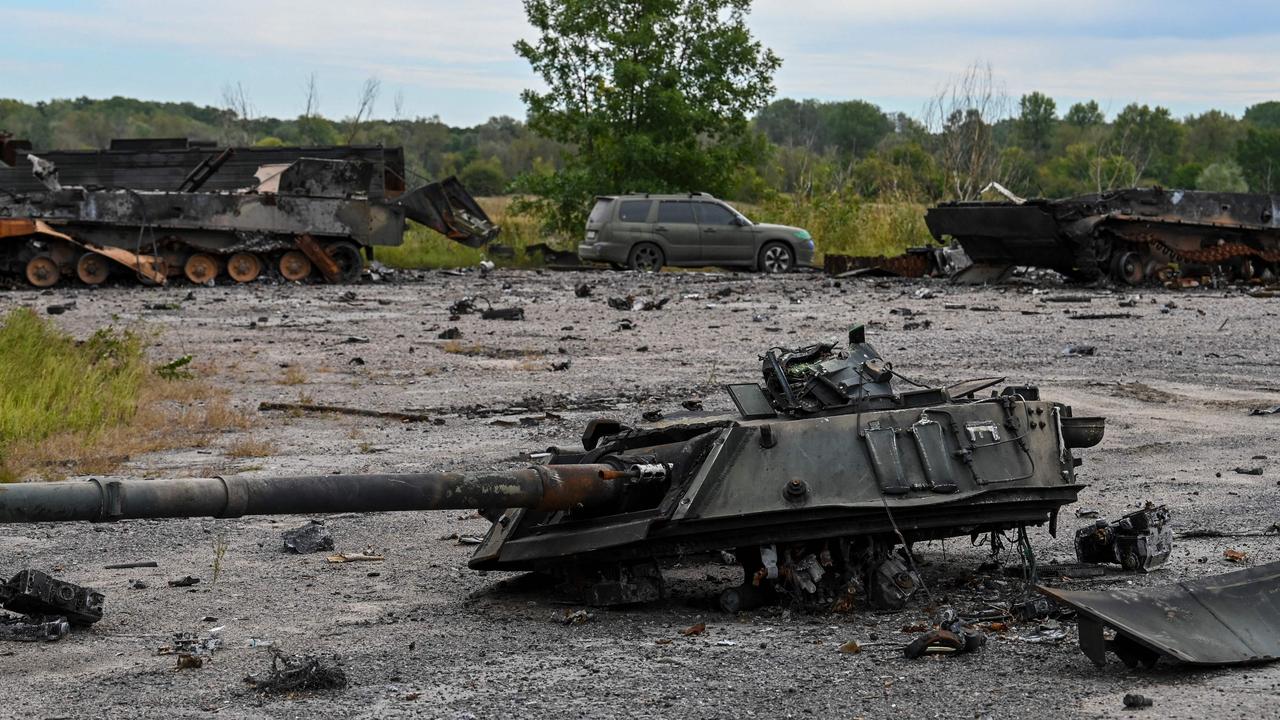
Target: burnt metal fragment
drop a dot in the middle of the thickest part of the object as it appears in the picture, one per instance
(34, 593)
(293, 673)
(1141, 540)
(309, 538)
(1220, 620)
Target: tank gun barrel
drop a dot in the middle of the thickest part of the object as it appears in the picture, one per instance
(540, 487)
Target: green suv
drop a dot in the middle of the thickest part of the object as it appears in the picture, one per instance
(645, 232)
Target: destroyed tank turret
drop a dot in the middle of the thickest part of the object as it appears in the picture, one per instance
(825, 467)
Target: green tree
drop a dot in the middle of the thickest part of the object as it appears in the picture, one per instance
(1149, 138)
(1264, 115)
(1259, 157)
(1037, 114)
(484, 177)
(853, 127)
(654, 95)
(1225, 176)
(1212, 136)
(1084, 115)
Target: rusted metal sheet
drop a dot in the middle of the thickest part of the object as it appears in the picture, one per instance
(1132, 235)
(1221, 620)
(911, 264)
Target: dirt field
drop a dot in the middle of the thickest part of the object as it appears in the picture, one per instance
(422, 636)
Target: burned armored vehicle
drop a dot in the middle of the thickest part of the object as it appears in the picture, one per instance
(827, 465)
(312, 216)
(1132, 236)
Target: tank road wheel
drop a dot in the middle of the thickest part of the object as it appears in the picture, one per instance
(646, 257)
(244, 267)
(200, 268)
(294, 266)
(776, 258)
(92, 269)
(347, 257)
(43, 272)
(1128, 268)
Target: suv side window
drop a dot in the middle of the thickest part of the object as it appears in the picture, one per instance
(634, 210)
(714, 214)
(600, 210)
(675, 211)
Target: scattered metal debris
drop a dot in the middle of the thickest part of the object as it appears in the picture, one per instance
(294, 673)
(574, 617)
(37, 594)
(1275, 410)
(452, 333)
(949, 636)
(308, 538)
(1080, 350)
(341, 410)
(185, 581)
(131, 565)
(192, 650)
(1141, 540)
(367, 556)
(34, 629)
(1220, 620)
(1134, 701)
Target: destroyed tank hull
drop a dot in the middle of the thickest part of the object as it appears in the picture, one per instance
(821, 472)
(312, 218)
(1133, 236)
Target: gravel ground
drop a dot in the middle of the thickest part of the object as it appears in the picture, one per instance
(420, 635)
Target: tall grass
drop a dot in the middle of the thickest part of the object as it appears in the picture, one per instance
(69, 406)
(843, 223)
(848, 224)
(425, 248)
(50, 383)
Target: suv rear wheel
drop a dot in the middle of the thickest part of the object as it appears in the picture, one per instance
(776, 257)
(646, 257)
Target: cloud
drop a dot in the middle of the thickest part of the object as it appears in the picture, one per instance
(456, 58)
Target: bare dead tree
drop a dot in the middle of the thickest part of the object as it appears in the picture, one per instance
(368, 96)
(961, 115)
(239, 113)
(312, 108)
(397, 105)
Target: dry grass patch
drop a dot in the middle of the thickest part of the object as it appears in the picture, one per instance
(457, 347)
(251, 448)
(293, 375)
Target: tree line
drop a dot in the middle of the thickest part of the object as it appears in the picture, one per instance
(808, 145)
(804, 146)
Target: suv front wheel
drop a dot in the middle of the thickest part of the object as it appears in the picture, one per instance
(776, 257)
(646, 257)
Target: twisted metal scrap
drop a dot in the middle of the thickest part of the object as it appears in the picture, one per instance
(291, 673)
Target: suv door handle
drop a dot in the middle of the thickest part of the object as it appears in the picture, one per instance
(660, 228)
(708, 230)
